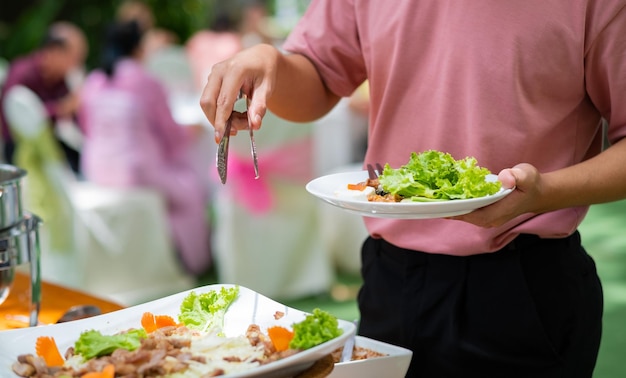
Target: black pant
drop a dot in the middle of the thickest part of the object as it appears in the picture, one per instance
(532, 309)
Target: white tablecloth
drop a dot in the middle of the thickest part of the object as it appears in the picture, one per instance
(122, 246)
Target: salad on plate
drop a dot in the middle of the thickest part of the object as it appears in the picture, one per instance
(191, 346)
(429, 176)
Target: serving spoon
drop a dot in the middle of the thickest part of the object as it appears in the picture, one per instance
(79, 312)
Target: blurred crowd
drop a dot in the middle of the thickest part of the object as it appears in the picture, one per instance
(134, 122)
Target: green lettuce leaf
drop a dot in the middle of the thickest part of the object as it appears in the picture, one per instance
(437, 176)
(315, 329)
(206, 310)
(92, 343)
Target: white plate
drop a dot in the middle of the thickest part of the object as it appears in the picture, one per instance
(333, 189)
(250, 307)
(394, 365)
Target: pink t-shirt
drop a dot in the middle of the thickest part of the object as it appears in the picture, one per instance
(504, 81)
(130, 136)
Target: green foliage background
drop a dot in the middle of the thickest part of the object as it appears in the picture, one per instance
(23, 22)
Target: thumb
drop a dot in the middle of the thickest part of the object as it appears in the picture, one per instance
(509, 177)
(514, 177)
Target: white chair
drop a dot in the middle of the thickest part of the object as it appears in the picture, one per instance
(275, 250)
(118, 245)
(125, 248)
(25, 112)
(342, 233)
(171, 66)
(37, 152)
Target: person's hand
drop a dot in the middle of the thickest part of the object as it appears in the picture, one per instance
(251, 72)
(527, 183)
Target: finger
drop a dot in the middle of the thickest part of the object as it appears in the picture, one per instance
(507, 178)
(523, 175)
(223, 90)
(257, 108)
(225, 103)
(208, 98)
(480, 217)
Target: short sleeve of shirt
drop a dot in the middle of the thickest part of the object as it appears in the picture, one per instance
(327, 34)
(605, 68)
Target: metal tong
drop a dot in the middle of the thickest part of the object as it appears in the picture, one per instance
(222, 149)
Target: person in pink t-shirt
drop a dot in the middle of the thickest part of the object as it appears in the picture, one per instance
(131, 140)
(507, 290)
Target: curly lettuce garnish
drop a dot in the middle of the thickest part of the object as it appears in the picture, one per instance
(206, 310)
(315, 329)
(437, 176)
(92, 343)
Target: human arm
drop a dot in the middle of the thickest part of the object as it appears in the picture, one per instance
(289, 85)
(597, 180)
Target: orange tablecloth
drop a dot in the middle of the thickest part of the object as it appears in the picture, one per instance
(55, 300)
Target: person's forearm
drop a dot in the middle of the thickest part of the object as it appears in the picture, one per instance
(300, 95)
(597, 180)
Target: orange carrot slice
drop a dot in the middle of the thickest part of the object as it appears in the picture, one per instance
(107, 372)
(280, 336)
(148, 322)
(47, 349)
(151, 322)
(164, 321)
(360, 186)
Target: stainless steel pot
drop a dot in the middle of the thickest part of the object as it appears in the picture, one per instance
(11, 210)
(19, 245)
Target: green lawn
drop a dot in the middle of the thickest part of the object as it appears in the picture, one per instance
(604, 237)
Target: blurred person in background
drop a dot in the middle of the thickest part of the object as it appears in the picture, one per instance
(131, 140)
(46, 71)
(154, 38)
(209, 46)
(255, 27)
